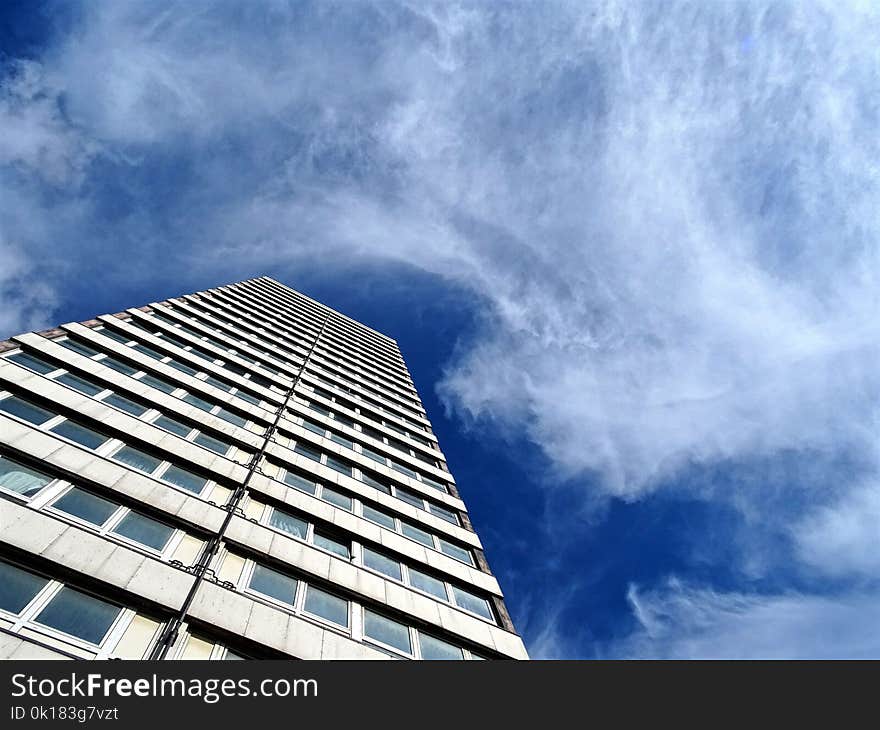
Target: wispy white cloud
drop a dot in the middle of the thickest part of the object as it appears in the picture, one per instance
(677, 621)
(668, 210)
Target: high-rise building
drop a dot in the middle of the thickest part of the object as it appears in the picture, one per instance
(237, 473)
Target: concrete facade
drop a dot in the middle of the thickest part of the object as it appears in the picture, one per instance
(236, 473)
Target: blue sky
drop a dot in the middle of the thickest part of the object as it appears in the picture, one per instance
(629, 251)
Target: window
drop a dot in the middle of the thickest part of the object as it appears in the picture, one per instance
(327, 606)
(443, 514)
(169, 424)
(18, 587)
(372, 481)
(342, 441)
(85, 505)
(29, 412)
(288, 523)
(332, 543)
(82, 435)
(114, 335)
(38, 365)
(158, 384)
(80, 384)
(218, 384)
(212, 444)
(380, 518)
(194, 400)
(382, 563)
(137, 459)
(417, 534)
(307, 451)
(314, 427)
(301, 483)
(148, 351)
(337, 498)
(121, 367)
(434, 648)
(124, 404)
(403, 469)
(247, 397)
(374, 455)
(144, 530)
(79, 615)
(454, 551)
(78, 346)
(384, 630)
(21, 479)
(182, 367)
(472, 603)
(337, 464)
(427, 583)
(184, 479)
(273, 584)
(410, 498)
(231, 417)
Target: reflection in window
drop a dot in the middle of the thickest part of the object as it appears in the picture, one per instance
(79, 615)
(18, 587)
(20, 478)
(327, 606)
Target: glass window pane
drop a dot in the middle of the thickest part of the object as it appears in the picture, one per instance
(144, 530)
(307, 451)
(434, 648)
(337, 464)
(77, 346)
(124, 404)
(272, 583)
(185, 479)
(337, 498)
(435, 485)
(314, 427)
(427, 583)
(148, 351)
(169, 424)
(380, 518)
(470, 602)
(327, 606)
(209, 442)
(385, 565)
(85, 505)
(119, 366)
(182, 367)
(37, 364)
(368, 478)
(403, 469)
(158, 383)
(80, 384)
(80, 615)
(443, 513)
(21, 479)
(137, 459)
(332, 544)
(414, 499)
(28, 411)
(301, 483)
(374, 455)
(456, 552)
(218, 384)
(194, 400)
(113, 335)
(288, 523)
(247, 397)
(231, 417)
(82, 435)
(18, 587)
(417, 534)
(387, 631)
